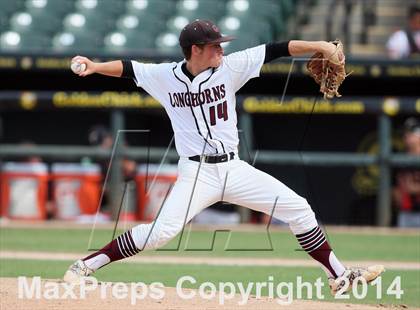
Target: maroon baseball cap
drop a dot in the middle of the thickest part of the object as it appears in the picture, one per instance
(201, 32)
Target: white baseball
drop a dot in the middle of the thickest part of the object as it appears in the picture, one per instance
(77, 67)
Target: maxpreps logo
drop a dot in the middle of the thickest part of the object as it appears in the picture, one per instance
(237, 292)
(209, 95)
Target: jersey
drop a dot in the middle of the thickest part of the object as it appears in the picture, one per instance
(203, 111)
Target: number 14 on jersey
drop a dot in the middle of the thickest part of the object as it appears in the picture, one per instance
(221, 110)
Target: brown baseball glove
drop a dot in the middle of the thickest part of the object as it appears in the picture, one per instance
(328, 72)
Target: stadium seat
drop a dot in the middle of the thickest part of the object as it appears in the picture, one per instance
(131, 42)
(177, 23)
(52, 7)
(261, 7)
(4, 21)
(256, 27)
(78, 22)
(168, 43)
(264, 9)
(79, 41)
(118, 25)
(8, 7)
(106, 8)
(147, 24)
(12, 40)
(240, 43)
(287, 7)
(37, 23)
(162, 8)
(201, 9)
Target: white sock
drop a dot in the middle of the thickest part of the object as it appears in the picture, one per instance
(336, 265)
(97, 262)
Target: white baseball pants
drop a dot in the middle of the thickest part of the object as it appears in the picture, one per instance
(200, 185)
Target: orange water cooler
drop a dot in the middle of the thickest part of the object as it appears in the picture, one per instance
(24, 190)
(76, 189)
(153, 184)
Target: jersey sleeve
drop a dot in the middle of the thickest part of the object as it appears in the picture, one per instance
(149, 77)
(244, 65)
(144, 73)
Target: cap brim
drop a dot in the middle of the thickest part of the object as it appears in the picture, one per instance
(222, 40)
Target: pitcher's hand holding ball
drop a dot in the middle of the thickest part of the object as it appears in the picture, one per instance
(82, 66)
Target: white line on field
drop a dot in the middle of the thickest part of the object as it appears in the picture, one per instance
(216, 261)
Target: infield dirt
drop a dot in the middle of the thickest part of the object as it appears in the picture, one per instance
(171, 301)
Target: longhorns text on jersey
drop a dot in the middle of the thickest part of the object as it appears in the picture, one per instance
(203, 109)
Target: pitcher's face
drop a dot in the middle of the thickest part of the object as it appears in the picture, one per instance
(212, 54)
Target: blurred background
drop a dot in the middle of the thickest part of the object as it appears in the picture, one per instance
(74, 149)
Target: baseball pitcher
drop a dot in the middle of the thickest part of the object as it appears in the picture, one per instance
(198, 95)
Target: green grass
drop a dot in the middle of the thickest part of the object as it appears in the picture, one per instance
(169, 274)
(237, 244)
(240, 244)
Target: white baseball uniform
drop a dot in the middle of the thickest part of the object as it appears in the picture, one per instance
(203, 117)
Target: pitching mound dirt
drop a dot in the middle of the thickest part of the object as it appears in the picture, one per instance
(9, 299)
